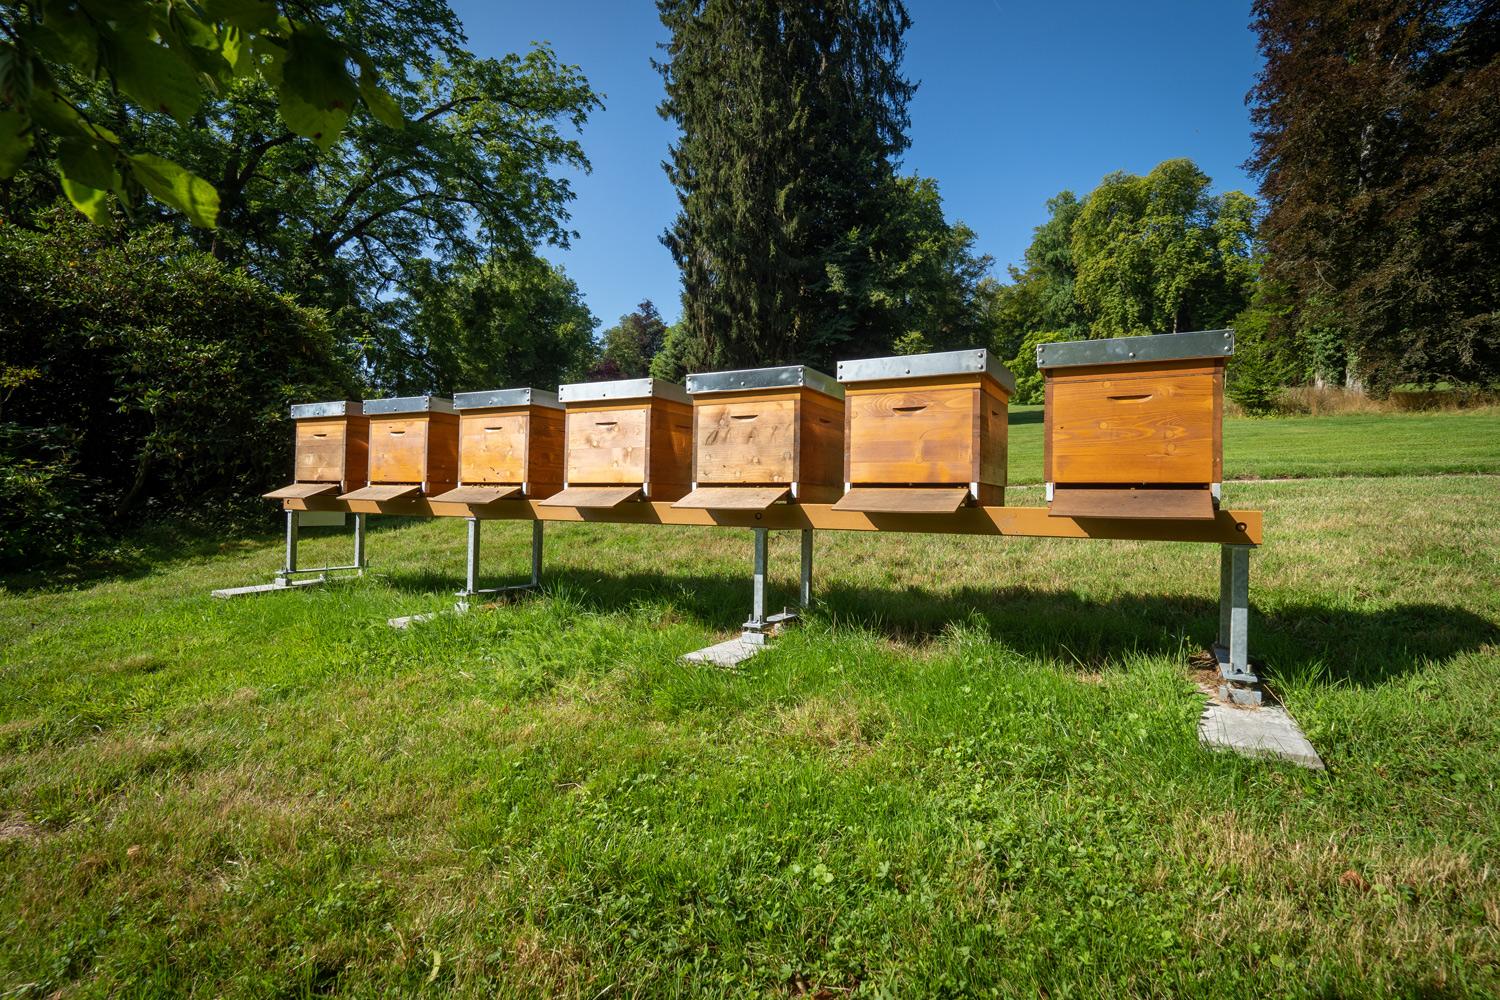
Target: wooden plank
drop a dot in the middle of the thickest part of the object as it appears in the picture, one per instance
(321, 449)
(903, 500)
(398, 449)
(733, 497)
(592, 497)
(745, 441)
(479, 494)
(1229, 527)
(912, 435)
(383, 493)
(301, 491)
(1192, 504)
(492, 445)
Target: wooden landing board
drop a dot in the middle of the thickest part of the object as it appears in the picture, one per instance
(301, 491)
(1229, 527)
(479, 494)
(383, 493)
(1187, 504)
(733, 497)
(592, 497)
(903, 499)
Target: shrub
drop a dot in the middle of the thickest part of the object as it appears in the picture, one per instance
(155, 376)
(1023, 365)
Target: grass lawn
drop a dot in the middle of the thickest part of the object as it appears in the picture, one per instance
(972, 772)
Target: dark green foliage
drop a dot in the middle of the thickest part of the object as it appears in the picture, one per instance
(1023, 364)
(153, 373)
(792, 114)
(631, 344)
(1262, 364)
(1378, 146)
(44, 504)
(516, 320)
(681, 352)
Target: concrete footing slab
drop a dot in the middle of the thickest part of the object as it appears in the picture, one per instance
(406, 621)
(267, 588)
(1267, 731)
(729, 653)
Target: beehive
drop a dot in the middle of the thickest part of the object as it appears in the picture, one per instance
(924, 433)
(332, 447)
(510, 445)
(623, 440)
(765, 434)
(413, 448)
(1135, 425)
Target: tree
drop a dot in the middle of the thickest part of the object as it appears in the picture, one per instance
(631, 344)
(1378, 150)
(58, 58)
(792, 113)
(512, 321)
(1159, 254)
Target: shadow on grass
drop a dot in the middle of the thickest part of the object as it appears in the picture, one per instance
(1308, 642)
(1015, 417)
(149, 549)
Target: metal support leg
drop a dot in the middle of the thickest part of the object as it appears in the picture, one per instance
(471, 563)
(359, 543)
(807, 559)
(536, 553)
(293, 523)
(1233, 649)
(758, 600)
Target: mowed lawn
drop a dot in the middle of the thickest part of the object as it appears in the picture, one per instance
(973, 771)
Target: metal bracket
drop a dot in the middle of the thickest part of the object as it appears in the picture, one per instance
(285, 576)
(760, 625)
(471, 569)
(1232, 650)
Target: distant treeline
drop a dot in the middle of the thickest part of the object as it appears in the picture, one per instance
(344, 200)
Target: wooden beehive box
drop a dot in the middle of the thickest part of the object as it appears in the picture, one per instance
(333, 442)
(625, 439)
(413, 448)
(510, 445)
(764, 434)
(924, 433)
(1135, 425)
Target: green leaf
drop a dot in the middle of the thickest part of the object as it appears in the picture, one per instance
(88, 163)
(317, 93)
(15, 142)
(92, 202)
(381, 104)
(67, 36)
(247, 15)
(156, 77)
(180, 188)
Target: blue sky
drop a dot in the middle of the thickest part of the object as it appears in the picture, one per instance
(1016, 102)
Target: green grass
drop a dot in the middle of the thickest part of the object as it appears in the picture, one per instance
(973, 771)
(1395, 444)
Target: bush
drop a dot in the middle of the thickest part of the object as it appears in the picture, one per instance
(155, 379)
(1023, 365)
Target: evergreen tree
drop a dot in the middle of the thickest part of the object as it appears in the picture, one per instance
(1378, 147)
(792, 113)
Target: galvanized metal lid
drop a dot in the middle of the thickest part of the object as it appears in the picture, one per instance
(1134, 350)
(785, 376)
(971, 362)
(409, 404)
(489, 398)
(333, 408)
(627, 388)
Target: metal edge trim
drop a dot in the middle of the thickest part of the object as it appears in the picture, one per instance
(1137, 350)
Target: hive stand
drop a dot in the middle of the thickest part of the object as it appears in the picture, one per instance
(1240, 684)
(471, 570)
(760, 628)
(285, 577)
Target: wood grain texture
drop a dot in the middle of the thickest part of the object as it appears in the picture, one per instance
(607, 444)
(322, 450)
(592, 496)
(301, 491)
(745, 440)
(1229, 527)
(669, 465)
(1146, 428)
(1160, 503)
(441, 468)
(821, 446)
(733, 497)
(545, 447)
(492, 445)
(398, 449)
(903, 500)
(478, 494)
(383, 493)
(927, 431)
